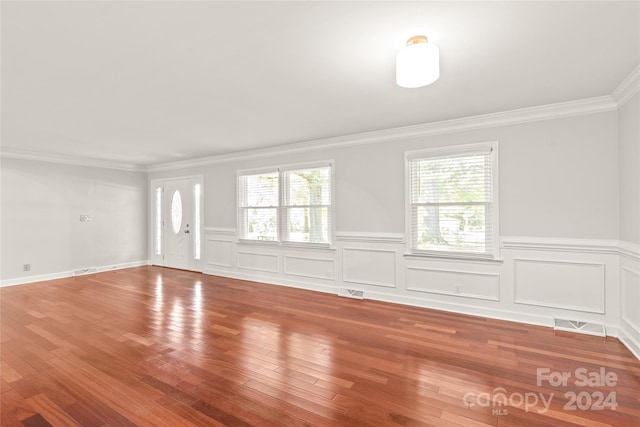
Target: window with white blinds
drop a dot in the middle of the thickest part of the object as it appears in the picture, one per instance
(306, 205)
(287, 205)
(258, 206)
(452, 200)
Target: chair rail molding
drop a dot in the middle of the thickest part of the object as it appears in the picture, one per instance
(370, 237)
(560, 244)
(629, 250)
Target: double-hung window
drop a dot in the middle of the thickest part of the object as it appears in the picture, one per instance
(258, 206)
(286, 205)
(452, 201)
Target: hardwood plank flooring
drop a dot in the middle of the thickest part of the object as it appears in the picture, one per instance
(151, 346)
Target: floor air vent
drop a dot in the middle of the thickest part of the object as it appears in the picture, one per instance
(351, 293)
(580, 327)
(83, 271)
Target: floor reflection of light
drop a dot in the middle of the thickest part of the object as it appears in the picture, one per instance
(197, 311)
(176, 316)
(263, 346)
(314, 348)
(197, 299)
(286, 353)
(157, 315)
(159, 295)
(257, 333)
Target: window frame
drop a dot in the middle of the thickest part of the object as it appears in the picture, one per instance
(492, 252)
(281, 220)
(240, 223)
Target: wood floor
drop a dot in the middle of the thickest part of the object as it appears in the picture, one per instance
(152, 346)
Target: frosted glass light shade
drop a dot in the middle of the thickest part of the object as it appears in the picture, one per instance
(417, 64)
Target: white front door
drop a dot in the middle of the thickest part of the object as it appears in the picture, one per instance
(178, 224)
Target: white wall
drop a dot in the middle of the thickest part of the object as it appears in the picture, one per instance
(559, 222)
(41, 207)
(629, 137)
(558, 178)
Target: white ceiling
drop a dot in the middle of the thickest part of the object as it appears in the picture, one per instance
(151, 82)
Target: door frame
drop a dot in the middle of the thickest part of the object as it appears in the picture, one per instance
(157, 257)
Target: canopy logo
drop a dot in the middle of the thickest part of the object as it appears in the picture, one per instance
(584, 400)
(499, 399)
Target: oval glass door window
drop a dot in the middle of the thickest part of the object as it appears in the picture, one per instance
(176, 212)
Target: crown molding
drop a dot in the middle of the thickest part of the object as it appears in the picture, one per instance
(69, 160)
(628, 88)
(523, 115)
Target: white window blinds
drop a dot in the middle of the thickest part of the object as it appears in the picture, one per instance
(291, 205)
(258, 206)
(452, 201)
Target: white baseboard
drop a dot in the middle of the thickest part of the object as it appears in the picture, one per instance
(630, 342)
(123, 266)
(391, 298)
(632, 345)
(37, 278)
(65, 274)
(467, 309)
(279, 281)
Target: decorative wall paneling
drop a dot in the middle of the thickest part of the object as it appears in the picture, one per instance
(470, 284)
(578, 286)
(364, 266)
(317, 268)
(218, 247)
(630, 298)
(307, 268)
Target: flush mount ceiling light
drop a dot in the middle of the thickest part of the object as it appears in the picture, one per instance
(418, 63)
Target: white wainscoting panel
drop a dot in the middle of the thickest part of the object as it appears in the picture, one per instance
(631, 298)
(258, 262)
(568, 285)
(369, 266)
(219, 252)
(317, 268)
(454, 282)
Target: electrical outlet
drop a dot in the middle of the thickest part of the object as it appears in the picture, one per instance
(85, 218)
(26, 267)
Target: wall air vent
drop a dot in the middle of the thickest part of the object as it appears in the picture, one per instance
(580, 327)
(351, 293)
(85, 271)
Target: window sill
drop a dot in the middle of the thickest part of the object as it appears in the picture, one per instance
(287, 245)
(453, 257)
